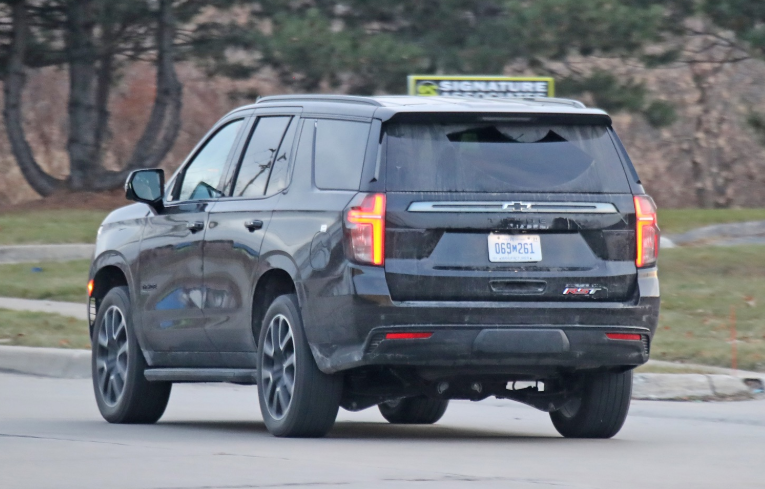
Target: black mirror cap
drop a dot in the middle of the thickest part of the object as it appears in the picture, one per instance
(146, 186)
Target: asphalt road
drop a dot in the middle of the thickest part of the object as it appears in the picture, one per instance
(211, 436)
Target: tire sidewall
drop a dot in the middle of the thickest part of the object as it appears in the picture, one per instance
(286, 305)
(584, 422)
(119, 297)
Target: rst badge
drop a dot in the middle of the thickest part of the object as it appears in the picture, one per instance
(581, 290)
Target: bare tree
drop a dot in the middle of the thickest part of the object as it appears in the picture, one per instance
(94, 38)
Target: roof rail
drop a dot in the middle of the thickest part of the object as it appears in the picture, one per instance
(348, 99)
(561, 101)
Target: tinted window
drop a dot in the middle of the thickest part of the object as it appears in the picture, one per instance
(202, 177)
(259, 156)
(304, 149)
(488, 157)
(278, 180)
(340, 148)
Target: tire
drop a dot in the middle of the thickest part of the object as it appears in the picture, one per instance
(122, 392)
(285, 363)
(600, 411)
(413, 410)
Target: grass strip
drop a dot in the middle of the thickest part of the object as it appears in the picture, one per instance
(57, 281)
(25, 328)
(50, 226)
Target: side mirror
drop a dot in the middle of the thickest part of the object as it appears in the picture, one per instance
(147, 186)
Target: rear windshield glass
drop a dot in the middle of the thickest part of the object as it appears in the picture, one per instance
(498, 157)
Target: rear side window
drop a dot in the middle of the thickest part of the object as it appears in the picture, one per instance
(259, 156)
(278, 180)
(339, 156)
(498, 157)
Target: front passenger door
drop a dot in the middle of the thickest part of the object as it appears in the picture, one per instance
(238, 224)
(171, 253)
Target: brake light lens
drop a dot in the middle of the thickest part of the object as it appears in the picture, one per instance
(365, 229)
(647, 232)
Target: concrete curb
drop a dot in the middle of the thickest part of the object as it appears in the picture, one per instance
(47, 362)
(75, 364)
(680, 387)
(752, 232)
(54, 252)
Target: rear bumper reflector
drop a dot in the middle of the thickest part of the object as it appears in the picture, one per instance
(624, 336)
(408, 336)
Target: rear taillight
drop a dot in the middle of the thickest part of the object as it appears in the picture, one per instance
(365, 230)
(647, 232)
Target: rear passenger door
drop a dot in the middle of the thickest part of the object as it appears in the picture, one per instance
(307, 225)
(238, 223)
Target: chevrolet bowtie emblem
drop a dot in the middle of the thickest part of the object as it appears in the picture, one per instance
(516, 206)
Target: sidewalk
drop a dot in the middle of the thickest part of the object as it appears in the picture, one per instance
(38, 253)
(71, 309)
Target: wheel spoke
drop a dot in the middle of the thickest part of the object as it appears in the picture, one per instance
(286, 338)
(273, 330)
(121, 328)
(119, 382)
(123, 351)
(289, 384)
(268, 346)
(109, 395)
(103, 338)
(112, 355)
(289, 361)
(284, 398)
(278, 366)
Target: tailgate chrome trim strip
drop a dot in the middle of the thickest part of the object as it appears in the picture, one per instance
(515, 206)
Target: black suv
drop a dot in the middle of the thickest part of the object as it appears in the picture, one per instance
(392, 251)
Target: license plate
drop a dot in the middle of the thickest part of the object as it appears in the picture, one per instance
(514, 248)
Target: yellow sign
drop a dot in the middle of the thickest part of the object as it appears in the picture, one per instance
(481, 86)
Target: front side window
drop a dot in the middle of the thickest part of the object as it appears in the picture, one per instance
(202, 177)
(339, 158)
(259, 157)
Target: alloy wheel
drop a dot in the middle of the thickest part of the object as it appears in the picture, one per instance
(278, 366)
(112, 355)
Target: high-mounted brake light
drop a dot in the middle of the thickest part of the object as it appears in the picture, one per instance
(365, 228)
(646, 232)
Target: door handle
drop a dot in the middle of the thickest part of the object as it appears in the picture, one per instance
(195, 226)
(253, 225)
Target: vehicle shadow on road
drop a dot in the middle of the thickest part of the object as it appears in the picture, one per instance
(367, 430)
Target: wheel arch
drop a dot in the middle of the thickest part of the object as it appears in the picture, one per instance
(107, 271)
(271, 284)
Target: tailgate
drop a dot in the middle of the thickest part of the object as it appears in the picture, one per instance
(510, 247)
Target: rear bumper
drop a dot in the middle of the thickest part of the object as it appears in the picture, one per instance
(496, 349)
(347, 331)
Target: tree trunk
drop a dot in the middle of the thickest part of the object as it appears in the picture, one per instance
(699, 158)
(104, 78)
(83, 150)
(15, 78)
(164, 123)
